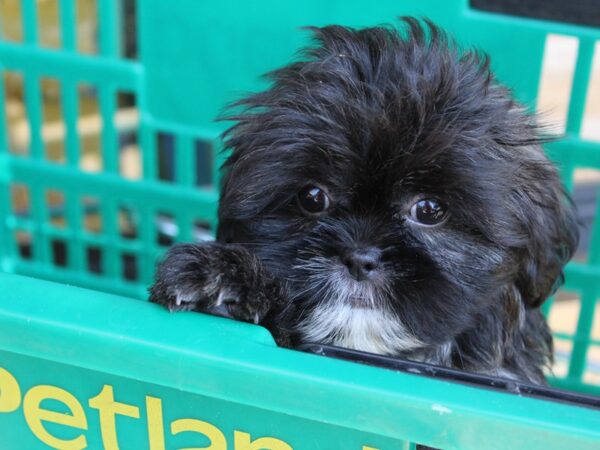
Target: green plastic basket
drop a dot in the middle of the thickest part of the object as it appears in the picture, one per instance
(91, 367)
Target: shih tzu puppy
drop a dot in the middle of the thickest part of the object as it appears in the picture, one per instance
(386, 194)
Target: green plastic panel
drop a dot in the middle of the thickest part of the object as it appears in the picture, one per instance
(195, 57)
(232, 376)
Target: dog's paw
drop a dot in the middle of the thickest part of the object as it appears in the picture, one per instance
(219, 279)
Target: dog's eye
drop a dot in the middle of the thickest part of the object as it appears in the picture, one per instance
(313, 199)
(428, 211)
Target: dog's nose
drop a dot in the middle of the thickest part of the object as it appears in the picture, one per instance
(362, 262)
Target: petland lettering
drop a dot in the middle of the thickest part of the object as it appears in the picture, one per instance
(108, 408)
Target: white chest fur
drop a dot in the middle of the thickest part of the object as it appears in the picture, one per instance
(365, 329)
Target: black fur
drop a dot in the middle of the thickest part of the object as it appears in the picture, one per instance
(379, 118)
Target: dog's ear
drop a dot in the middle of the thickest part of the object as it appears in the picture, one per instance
(550, 223)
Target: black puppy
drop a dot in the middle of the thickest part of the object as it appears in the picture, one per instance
(386, 194)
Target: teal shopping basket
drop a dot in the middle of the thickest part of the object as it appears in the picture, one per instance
(85, 364)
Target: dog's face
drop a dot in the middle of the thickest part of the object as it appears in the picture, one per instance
(396, 189)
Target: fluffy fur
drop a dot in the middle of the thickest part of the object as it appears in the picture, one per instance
(380, 118)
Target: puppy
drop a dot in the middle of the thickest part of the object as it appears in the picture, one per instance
(386, 194)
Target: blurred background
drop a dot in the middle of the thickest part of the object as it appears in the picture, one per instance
(555, 88)
(89, 124)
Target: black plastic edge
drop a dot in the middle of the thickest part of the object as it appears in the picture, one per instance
(454, 375)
